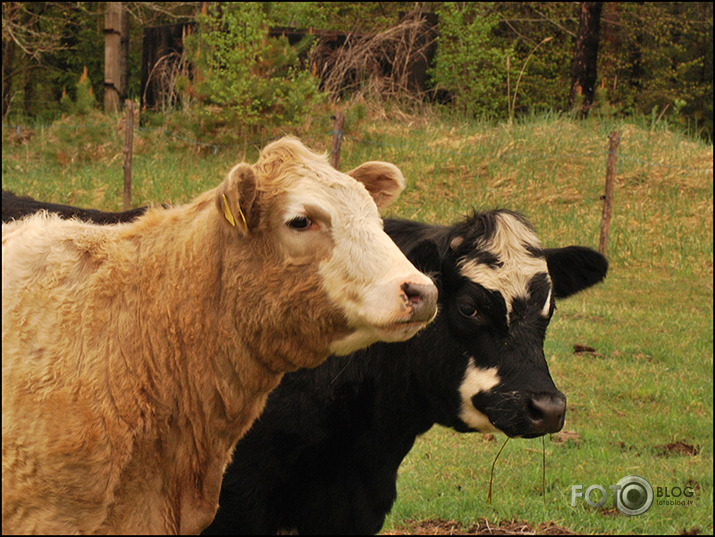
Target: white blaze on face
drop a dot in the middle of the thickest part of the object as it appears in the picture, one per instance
(363, 271)
(366, 272)
(476, 380)
(518, 264)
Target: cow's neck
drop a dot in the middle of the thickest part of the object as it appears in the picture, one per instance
(196, 385)
(226, 320)
(400, 410)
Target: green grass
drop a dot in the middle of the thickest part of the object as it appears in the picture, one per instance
(649, 382)
(648, 385)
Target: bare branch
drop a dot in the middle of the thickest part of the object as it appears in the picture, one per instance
(552, 21)
(377, 64)
(21, 25)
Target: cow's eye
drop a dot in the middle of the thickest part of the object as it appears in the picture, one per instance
(300, 223)
(467, 310)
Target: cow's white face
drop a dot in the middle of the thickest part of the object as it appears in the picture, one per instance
(328, 222)
(363, 271)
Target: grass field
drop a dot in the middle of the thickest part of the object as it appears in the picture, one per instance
(640, 403)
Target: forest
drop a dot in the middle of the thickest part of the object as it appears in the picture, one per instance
(493, 61)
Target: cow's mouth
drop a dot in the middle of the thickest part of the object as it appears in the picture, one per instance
(532, 435)
(363, 335)
(400, 330)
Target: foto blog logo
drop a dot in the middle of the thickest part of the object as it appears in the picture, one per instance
(633, 495)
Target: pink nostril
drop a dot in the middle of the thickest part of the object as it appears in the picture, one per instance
(413, 295)
(422, 298)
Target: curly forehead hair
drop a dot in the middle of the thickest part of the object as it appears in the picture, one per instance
(481, 228)
(286, 153)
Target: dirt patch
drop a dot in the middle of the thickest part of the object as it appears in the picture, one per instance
(677, 448)
(564, 437)
(582, 348)
(586, 350)
(438, 526)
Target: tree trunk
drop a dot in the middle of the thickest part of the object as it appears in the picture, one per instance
(8, 62)
(112, 56)
(28, 99)
(583, 67)
(124, 56)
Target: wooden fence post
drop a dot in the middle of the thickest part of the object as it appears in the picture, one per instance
(337, 139)
(128, 139)
(613, 141)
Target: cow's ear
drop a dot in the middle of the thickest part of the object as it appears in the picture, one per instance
(236, 199)
(384, 181)
(574, 268)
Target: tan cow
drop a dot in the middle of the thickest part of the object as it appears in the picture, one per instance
(134, 356)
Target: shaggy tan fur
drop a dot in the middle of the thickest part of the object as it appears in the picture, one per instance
(136, 355)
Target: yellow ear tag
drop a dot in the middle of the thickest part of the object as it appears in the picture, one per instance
(245, 224)
(227, 211)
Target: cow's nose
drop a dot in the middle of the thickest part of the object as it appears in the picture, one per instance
(422, 299)
(546, 413)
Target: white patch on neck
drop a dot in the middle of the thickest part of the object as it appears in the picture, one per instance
(518, 267)
(476, 380)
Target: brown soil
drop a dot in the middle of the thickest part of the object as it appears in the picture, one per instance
(678, 448)
(438, 526)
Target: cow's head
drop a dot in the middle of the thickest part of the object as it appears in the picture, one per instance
(497, 290)
(322, 231)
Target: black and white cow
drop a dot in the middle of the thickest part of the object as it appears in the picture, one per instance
(323, 457)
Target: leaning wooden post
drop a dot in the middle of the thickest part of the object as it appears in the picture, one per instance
(128, 138)
(613, 141)
(337, 139)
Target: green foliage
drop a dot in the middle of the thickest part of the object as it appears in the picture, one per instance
(58, 39)
(468, 64)
(84, 101)
(654, 58)
(540, 36)
(243, 78)
(299, 14)
(659, 56)
(82, 51)
(357, 17)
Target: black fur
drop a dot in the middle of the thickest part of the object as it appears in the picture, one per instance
(592, 269)
(15, 207)
(323, 457)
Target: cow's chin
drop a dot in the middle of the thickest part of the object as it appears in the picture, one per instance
(365, 336)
